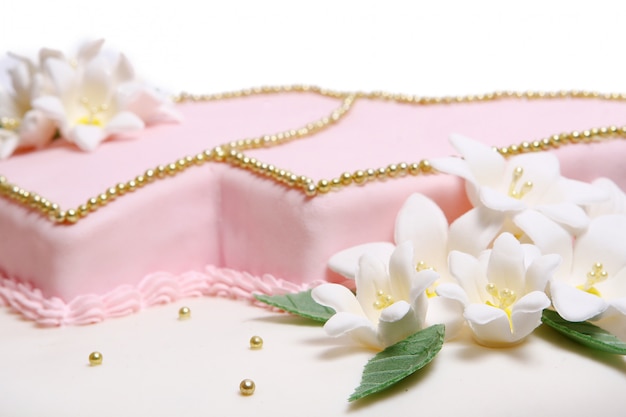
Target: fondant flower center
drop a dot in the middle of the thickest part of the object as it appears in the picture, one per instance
(383, 300)
(430, 291)
(596, 275)
(9, 123)
(517, 190)
(502, 298)
(94, 113)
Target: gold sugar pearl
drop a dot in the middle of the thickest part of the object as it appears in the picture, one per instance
(95, 358)
(256, 342)
(184, 313)
(247, 387)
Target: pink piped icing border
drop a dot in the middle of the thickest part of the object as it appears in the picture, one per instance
(154, 289)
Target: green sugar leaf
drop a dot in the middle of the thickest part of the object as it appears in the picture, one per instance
(585, 333)
(300, 303)
(399, 361)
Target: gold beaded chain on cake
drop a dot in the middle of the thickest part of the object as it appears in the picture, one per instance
(232, 152)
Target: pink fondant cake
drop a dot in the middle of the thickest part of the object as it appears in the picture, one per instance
(218, 227)
(252, 193)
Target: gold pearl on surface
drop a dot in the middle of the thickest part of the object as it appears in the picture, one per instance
(184, 313)
(95, 358)
(247, 387)
(256, 342)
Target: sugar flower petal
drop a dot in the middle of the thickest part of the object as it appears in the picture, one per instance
(489, 325)
(495, 200)
(402, 269)
(358, 327)
(124, 122)
(526, 313)
(573, 304)
(89, 50)
(397, 322)
(475, 230)
(346, 261)
(615, 204)
(337, 297)
(36, 130)
(87, 137)
(545, 234)
(447, 311)
(371, 278)
(540, 270)
(469, 274)
(485, 164)
(506, 263)
(423, 223)
(567, 214)
(453, 292)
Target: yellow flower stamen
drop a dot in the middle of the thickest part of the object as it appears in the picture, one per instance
(596, 275)
(383, 300)
(92, 113)
(502, 299)
(9, 123)
(520, 192)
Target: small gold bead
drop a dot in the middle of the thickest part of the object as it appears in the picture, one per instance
(149, 175)
(323, 186)
(172, 169)
(310, 189)
(425, 166)
(247, 387)
(346, 178)
(256, 342)
(71, 216)
(59, 216)
(184, 313)
(414, 168)
(95, 358)
(160, 171)
(83, 210)
(359, 177)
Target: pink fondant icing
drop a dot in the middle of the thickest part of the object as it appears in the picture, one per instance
(229, 218)
(154, 289)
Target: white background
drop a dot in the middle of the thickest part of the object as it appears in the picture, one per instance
(427, 48)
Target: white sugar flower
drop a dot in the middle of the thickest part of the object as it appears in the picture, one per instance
(94, 98)
(421, 222)
(390, 303)
(21, 126)
(502, 291)
(502, 189)
(592, 285)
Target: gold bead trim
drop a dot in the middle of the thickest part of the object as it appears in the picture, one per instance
(232, 152)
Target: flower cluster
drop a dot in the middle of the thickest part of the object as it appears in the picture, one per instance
(83, 100)
(533, 240)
